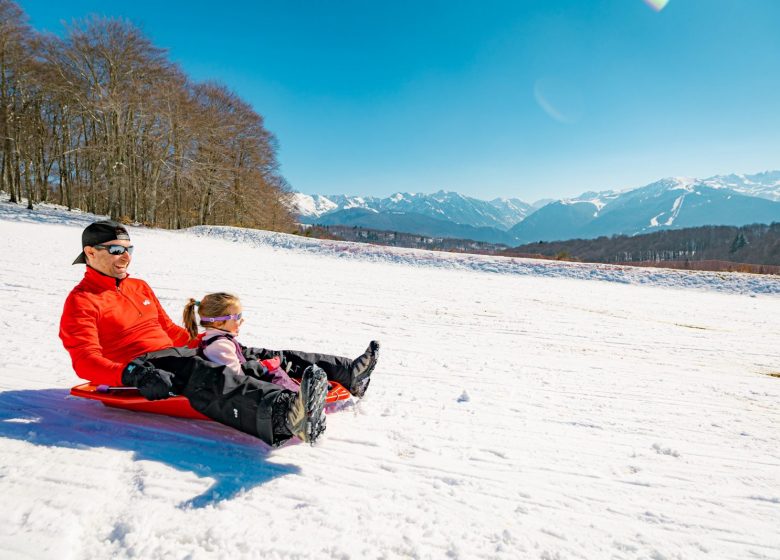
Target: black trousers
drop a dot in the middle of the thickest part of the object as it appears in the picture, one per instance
(294, 362)
(249, 404)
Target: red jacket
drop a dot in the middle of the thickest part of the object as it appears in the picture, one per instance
(106, 323)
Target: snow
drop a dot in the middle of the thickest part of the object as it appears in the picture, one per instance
(521, 409)
(573, 201)
(676, 207)
(760, 185)
(354, 202)
(683, 183)
(598, 202)
(312, 205)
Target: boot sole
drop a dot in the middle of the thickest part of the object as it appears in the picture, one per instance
(316, 391)
(360, 384)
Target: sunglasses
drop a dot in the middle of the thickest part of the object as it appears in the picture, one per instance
(222, 318)
(115, 249)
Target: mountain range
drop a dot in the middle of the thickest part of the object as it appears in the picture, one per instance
(670, 203)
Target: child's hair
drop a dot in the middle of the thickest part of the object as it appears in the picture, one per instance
(212, 305)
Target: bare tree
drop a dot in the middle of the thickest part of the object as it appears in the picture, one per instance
(15, 61)
(104, 121)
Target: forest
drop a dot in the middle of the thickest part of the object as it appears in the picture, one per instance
(101, 120)
(756, 244)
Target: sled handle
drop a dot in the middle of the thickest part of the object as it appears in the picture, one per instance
(109, 388)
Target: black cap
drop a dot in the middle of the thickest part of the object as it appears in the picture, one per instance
(100, 232)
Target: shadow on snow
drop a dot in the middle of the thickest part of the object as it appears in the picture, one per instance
(237, 462)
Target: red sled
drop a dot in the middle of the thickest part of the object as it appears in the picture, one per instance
(130, 399)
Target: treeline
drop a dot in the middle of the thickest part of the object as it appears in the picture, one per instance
(717, 266)
(401, 239)
(101, 120)
(756, 244)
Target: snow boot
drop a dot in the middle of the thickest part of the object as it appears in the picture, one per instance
(361, 369)
(306, 415)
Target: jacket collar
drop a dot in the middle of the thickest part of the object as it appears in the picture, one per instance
(97, 279)
(211, 332)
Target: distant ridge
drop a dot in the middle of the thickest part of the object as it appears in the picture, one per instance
(414, 223)
(667, 204)
(672, 203)
(499, 213)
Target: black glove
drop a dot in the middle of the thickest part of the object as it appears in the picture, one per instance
(254, 368)
(154, 384)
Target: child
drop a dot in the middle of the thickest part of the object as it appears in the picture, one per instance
(221, 315)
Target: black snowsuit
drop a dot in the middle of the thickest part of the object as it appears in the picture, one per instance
(245, 402)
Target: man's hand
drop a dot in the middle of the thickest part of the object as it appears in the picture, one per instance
(154, 384)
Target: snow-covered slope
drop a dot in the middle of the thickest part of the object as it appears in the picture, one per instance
(521, 409)
(312, 205)
(762, 185)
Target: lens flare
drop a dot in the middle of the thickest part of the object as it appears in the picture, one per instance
(560, 98)
(657, 5)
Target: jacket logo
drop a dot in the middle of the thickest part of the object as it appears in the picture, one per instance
(147, 302)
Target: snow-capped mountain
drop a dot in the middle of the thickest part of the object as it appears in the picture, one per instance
(669, 203)
(763, 185)
(413, 222)
(562, 219)
(314, 205)
(500, 213)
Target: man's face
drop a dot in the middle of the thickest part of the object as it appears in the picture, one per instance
(110, 265)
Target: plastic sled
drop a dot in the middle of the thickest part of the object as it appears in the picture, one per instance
(130, 399)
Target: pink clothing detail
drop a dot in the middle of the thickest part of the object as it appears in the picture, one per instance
(223, 351)
(227, 352)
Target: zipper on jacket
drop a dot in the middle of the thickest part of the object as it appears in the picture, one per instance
(128, 298)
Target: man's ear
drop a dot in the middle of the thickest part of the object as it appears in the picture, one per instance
(89, 252)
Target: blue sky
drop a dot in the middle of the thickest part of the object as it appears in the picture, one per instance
(519, 98)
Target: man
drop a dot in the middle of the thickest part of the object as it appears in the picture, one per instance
(117, 333)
